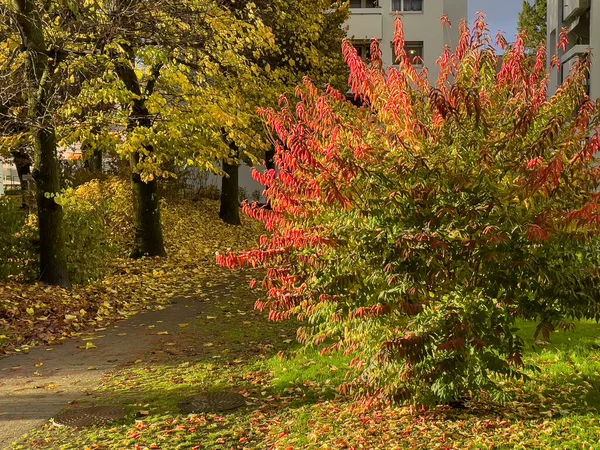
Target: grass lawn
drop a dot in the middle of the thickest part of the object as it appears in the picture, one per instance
(292, 401)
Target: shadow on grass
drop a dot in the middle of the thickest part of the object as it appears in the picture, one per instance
(292, 401)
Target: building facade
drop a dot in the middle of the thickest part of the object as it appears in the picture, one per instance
(582, 19)
(9, 179)
(423, 31)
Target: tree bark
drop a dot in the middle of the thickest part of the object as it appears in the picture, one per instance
(146, 205)
(230, 193)
(146, 216)
(53, 260)
(96, 161)
(93, 157)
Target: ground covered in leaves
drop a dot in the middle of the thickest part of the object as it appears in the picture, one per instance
(33, 313)
(292, 399)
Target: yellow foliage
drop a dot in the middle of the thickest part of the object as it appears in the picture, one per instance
(193, 233)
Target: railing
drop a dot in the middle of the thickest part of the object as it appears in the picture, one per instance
(11, 182)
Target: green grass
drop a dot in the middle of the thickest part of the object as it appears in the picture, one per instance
(292, 401)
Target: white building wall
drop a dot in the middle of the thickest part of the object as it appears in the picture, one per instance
(9, 179)
(595, 46)
(572, 15)
(424, 26)
(252, 188)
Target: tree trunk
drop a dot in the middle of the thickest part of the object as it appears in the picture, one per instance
(270, 159)
(230, 194)
(93, 157)
(146, 205)
(23, 163)
(96, 161)
(269, 164)
(53, 260)
(146, 215)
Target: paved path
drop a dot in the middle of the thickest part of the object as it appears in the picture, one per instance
(36, 386)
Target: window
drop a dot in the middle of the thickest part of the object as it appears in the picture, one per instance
(414, 49)
(363, 49)
(364, 3)
(407, 5)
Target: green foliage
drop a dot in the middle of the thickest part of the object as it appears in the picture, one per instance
(17, 256)
(411, 232)
(98, 222)
(87, 214)
(532, 21)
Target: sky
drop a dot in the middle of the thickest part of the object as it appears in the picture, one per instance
(500, 14)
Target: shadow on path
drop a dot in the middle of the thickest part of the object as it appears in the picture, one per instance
(37, 385)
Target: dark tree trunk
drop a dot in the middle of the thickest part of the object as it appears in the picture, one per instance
(96, 161)
(53, 260)
(270, 159)
(93, 158)
(146, 205)
(270, 165)
(23, 163)
(146, 216)
(230, 194)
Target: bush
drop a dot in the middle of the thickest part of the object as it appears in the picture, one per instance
(16, 242)
(97, 227)
(414, 230)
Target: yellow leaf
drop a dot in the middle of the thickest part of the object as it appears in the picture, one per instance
(89, 345)
(183, 325)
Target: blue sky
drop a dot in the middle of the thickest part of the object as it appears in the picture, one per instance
(501, 15)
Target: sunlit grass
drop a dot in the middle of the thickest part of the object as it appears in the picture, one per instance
(292, 400)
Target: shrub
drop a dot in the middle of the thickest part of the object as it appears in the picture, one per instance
(16, 243)
(97, 221)
(97, 227)
(414, 230)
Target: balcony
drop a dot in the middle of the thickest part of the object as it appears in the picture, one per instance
(365, 23)
(576, 50)
(573, 9)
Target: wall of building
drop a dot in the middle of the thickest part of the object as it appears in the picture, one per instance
(9, 179)
(457, 10)
(425, 26)
(595, 46)
(251, 188)
(583, 21)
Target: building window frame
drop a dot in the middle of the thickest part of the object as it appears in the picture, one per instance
(419, 46)
(364, 4)
(363, 47)
(403, 8)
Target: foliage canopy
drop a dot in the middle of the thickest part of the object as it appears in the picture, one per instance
(411, 232)
(532, 21)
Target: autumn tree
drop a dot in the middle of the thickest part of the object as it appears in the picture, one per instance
(532, 22)
(314, 52)
(40, 63)
(159, 117)
(411, 232)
